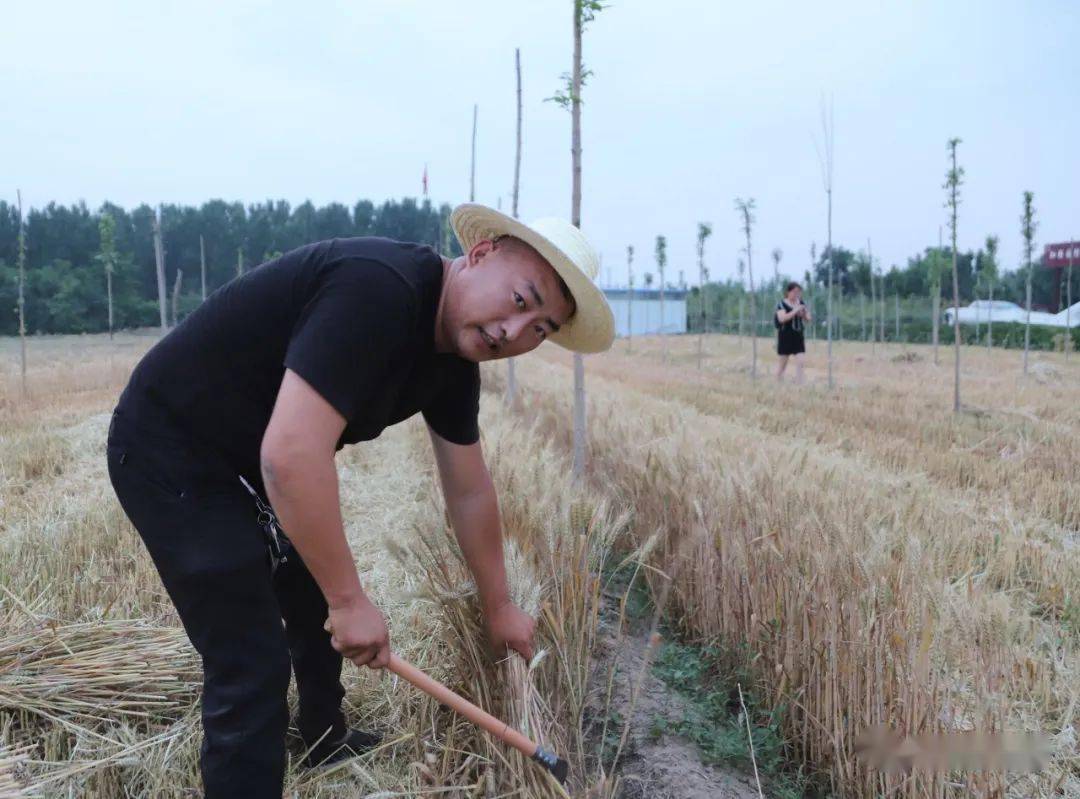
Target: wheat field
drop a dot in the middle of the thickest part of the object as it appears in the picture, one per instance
(872, 557)
(883, 560)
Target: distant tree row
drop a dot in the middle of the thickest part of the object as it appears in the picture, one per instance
(917, 278)
(66, 279)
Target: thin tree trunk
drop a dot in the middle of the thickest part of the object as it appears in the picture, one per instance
(511, 373)
(881, 293)
(873, 300)
(22, 293)
(753, 309)
(701, 332)
(1068, 302)
(108, 289)
(159, 260)
(978, 316)
(578, 468)
(575, 210)
(176, 297)
(239, 261)
(472, 162)
(629, 298)
(1028, 232)
(839, 316)
(202, 265)
(829, 294)
(825, 158)
(862, 316)
(705, 311)
(936, 306)
(663, 336)
(956, 300)
(1027, 319)
(701, 303)
(517, 152)
(881, 311)
(937, 297)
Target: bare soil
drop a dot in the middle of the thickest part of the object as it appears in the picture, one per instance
(651, 765)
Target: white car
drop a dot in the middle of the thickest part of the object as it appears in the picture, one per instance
(981, 311)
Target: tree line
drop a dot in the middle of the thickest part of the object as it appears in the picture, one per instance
(66, 277)
(977, 270)
(921, 277)
(70, 254)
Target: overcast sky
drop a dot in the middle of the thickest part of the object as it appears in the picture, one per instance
(691, 104)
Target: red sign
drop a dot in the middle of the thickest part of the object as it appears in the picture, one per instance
(1056, 256)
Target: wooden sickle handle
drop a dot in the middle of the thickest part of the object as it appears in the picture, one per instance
(460, 704)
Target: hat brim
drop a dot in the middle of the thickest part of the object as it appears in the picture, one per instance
(592, 327)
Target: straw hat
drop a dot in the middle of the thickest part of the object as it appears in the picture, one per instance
(592, 327)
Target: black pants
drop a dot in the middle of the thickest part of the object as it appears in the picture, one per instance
(200, 526)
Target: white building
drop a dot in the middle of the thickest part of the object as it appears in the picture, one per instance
(638, 311)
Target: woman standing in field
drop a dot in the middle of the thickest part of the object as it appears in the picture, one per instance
(790, 316)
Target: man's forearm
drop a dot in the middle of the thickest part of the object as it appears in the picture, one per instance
(303, 490)
(475, 517)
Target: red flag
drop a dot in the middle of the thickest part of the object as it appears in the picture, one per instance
(425, 180)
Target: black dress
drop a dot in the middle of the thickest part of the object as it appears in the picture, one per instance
(789, 334)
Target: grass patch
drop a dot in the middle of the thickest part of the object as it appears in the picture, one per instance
(706, 677)
(627, 582)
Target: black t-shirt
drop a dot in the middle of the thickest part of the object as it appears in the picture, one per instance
(355, 318)
(792, 325)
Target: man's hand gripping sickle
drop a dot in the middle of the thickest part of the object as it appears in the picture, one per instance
(360, 634)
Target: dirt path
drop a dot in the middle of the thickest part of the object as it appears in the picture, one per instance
(652, 764)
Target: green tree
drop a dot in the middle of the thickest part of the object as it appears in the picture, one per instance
(954, 178)
(585, 11)
(746, 212)
(72, 304)
(661, 264)
(845, 279)
(988, 271)
(107, 258)
(859, 272)
(72, 235)
(1027, 229)
(825, 159)
(873, 296)
(704, 230)
(22, 294)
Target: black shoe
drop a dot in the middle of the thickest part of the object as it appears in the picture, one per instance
(355, 742)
